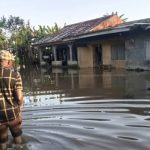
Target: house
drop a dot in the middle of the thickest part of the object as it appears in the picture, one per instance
(126, 45)
(104, 42)
(66, 51)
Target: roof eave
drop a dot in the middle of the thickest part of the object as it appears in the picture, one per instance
(106, 32)
(53, 43)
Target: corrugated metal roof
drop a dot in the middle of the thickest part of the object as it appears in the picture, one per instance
(146, 20)
(124, 27)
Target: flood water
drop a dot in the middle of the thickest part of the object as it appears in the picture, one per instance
(86, 109)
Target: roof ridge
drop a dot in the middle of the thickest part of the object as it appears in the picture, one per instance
(104, 17)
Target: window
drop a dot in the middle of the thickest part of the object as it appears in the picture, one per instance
(118, 52)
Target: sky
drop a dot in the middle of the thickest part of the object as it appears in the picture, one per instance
(48, 12)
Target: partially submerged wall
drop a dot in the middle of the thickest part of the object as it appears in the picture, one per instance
(135, 53)
(85, 57)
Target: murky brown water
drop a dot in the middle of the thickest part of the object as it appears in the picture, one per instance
(86, 110)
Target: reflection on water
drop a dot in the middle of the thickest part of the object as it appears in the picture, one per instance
(86, 109)
(87, 83)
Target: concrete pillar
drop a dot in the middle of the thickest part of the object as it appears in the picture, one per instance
(106, 51)
(56, 80)
(85, 57)
(40, 55)
(70, 52)
(72, 80)
(54, 52)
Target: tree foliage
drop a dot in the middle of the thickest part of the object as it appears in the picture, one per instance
(45, 30)
(2, 33)
(2, 39)
(16, 33)
(13, 23)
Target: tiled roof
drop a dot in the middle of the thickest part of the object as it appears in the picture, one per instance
(72, 30)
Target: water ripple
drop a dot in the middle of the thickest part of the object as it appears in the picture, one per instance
(86, 125)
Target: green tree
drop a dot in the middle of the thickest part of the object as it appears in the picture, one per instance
(2, 22)
(9, 28)
(18, 35)
(3, 41)
(43, 31)
(13, 23)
